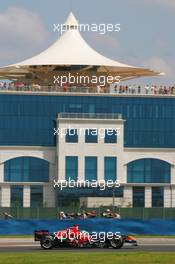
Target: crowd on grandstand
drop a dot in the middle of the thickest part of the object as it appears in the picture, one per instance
(148, 89)
(117, 89)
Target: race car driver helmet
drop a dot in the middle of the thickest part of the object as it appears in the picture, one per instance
(76, 226)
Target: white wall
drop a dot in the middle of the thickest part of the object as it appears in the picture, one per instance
(83, 149)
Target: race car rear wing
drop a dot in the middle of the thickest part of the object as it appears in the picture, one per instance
(40, 234)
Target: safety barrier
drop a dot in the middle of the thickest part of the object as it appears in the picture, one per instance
(135, 227)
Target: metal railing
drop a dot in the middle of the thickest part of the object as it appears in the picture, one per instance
(90, 116)
(53, 213)
(57, 89)
(89, 90)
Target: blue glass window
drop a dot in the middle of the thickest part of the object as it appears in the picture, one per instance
(148, 171)
(138, 196)
(110, 136)
(71, 196)
(71, 136)
(16, 196)
(26, 169)
(90, 168)
(91, 136)
(157, 196)
(110, 168)
(36, 196)
(71, 168)
(149, 120)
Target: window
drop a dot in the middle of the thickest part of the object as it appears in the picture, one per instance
(138, 197)
(91, 136)
(75, 197)
(90, 168)
(148, 171)
(149, 121)
(16, 196)
(110, 136)
(71, 136)
(36, 196)
(71, 168)
(110, 168)
(26, 169)
(157, 197)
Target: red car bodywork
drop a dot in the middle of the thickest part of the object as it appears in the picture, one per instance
(73, 235)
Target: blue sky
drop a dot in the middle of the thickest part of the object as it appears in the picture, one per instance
(146, 38)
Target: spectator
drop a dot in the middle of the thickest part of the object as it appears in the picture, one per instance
(91, 214)
(62, 215)
(117, 216)
(139, 89)
(115, 88)
(98, 88)
(7, 216)
(147, 89)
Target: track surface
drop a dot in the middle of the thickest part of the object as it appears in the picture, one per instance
(144, 245)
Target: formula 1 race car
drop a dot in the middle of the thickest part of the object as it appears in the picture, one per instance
(73, 237)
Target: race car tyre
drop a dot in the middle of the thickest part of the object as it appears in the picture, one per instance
(116, 242)
(47, 242)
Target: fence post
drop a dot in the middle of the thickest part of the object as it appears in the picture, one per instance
(38, 212)
(17, 212)
(143, 213)
(164, 213)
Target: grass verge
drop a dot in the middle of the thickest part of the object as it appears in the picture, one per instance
(86, 258)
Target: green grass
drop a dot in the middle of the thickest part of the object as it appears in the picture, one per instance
(86, 258)
(152, 236)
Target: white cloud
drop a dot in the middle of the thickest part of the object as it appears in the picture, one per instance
(21, 31)
(161, 65)
(105, 44)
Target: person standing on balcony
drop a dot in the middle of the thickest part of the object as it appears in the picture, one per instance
(147, 89)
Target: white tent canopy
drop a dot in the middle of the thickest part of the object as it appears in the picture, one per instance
(72, 50)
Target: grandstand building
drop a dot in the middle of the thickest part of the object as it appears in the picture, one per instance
(33, 155)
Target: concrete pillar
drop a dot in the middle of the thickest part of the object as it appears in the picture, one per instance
(148, 197)
(122, 174)
(100, 168)
(173, 196)
(81, 174)
(120, 137)
(2, 172)
(0, 197)
(52, 173)
(26, 196)
(49, 196)
(127, 196)
(6, 195)
(167, 196)
(61, 167)
(172, 174)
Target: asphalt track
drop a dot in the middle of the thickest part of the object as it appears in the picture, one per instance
(144, 245)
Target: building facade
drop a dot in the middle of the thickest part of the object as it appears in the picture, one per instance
(141, 157)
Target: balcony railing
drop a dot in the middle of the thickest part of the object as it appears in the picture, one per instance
(119, 90)
(38, 88)
(89, 116)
